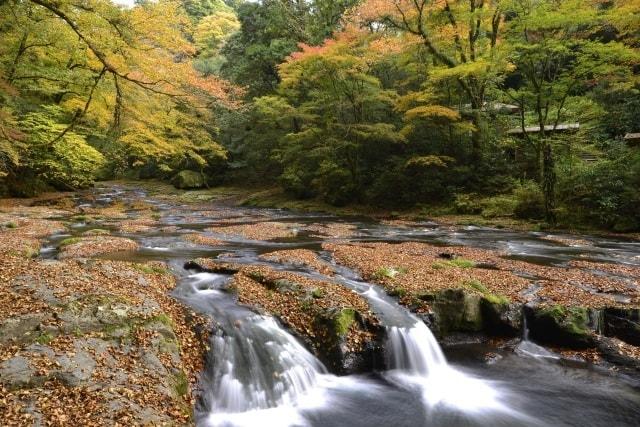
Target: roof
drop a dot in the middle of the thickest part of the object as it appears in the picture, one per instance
(632, 136)
(548, 128)
(497, 107)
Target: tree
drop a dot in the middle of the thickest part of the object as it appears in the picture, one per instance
(462, 37)
(559, 56)
(108, 69)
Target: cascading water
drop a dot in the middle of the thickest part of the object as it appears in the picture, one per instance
(416, 360)
(526, 347)
(259, 374)
(414, 349)
(260, 366)
(256, 369)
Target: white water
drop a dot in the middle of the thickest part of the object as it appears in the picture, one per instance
(261, 375)
(417, 360)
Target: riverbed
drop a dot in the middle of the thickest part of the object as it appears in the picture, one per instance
(259, 373)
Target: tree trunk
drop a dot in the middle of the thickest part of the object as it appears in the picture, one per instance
(476, 135)
(548, 182)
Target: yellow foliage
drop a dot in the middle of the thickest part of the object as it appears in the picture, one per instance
(432, 112)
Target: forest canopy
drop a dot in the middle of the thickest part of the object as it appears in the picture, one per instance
(524, 108)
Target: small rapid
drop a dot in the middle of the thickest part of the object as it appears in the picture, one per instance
(258, 373)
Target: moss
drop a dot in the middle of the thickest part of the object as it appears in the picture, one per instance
(258, 277)
(181, 384)
(317, 293)
(156, 216)
(121, 331)
(162, 318)
(44, 338)
(389, 272)
(344, 320)
(477, 285)
(80, 218)
(69, 241)
(284, 285)
(497, 299)
(573, 319)
(462, 263)
(31, 252)
(486, 294)
(306, 304)
(11, 225)
(151, 269)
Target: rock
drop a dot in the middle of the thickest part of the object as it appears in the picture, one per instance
(455, 310)
(37, 287)
(623, 323)
(611, 351)
(21, 329)
(333, 326)
(211, 266)
(76, 369)
(16, 373)
(187, 179)
(500, 318)
(565, 326)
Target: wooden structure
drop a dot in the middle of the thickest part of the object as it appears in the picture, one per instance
(632, 139)
(549, 128)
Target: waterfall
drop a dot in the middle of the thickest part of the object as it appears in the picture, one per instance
(527, 347)
(414, 349)
(259, 367)
(417, 361)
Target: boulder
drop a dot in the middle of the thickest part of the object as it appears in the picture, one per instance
(187, 179)
(501, 317)
(564, 326)
(16, 373)
(455, 310)
(622, 323)
(332, 327)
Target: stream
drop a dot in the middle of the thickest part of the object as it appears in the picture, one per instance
(258, 374)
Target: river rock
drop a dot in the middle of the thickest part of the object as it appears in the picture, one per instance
(565, 326)
(501, 318)
(16, 373)
(623, 323)
(454, 310)
(21, 328)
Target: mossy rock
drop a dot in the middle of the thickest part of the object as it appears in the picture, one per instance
(187, 179)
(500, 317)
(564, 326)
(455, 310)
(332, 327)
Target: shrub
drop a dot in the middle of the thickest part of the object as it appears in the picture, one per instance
(529, 201)
(467, 204)
(605, 193)
(503, 205)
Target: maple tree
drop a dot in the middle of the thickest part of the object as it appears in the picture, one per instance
(113, 72)
(551, 47)
(463, 38)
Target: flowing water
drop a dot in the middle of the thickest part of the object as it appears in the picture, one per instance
(258, 374)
